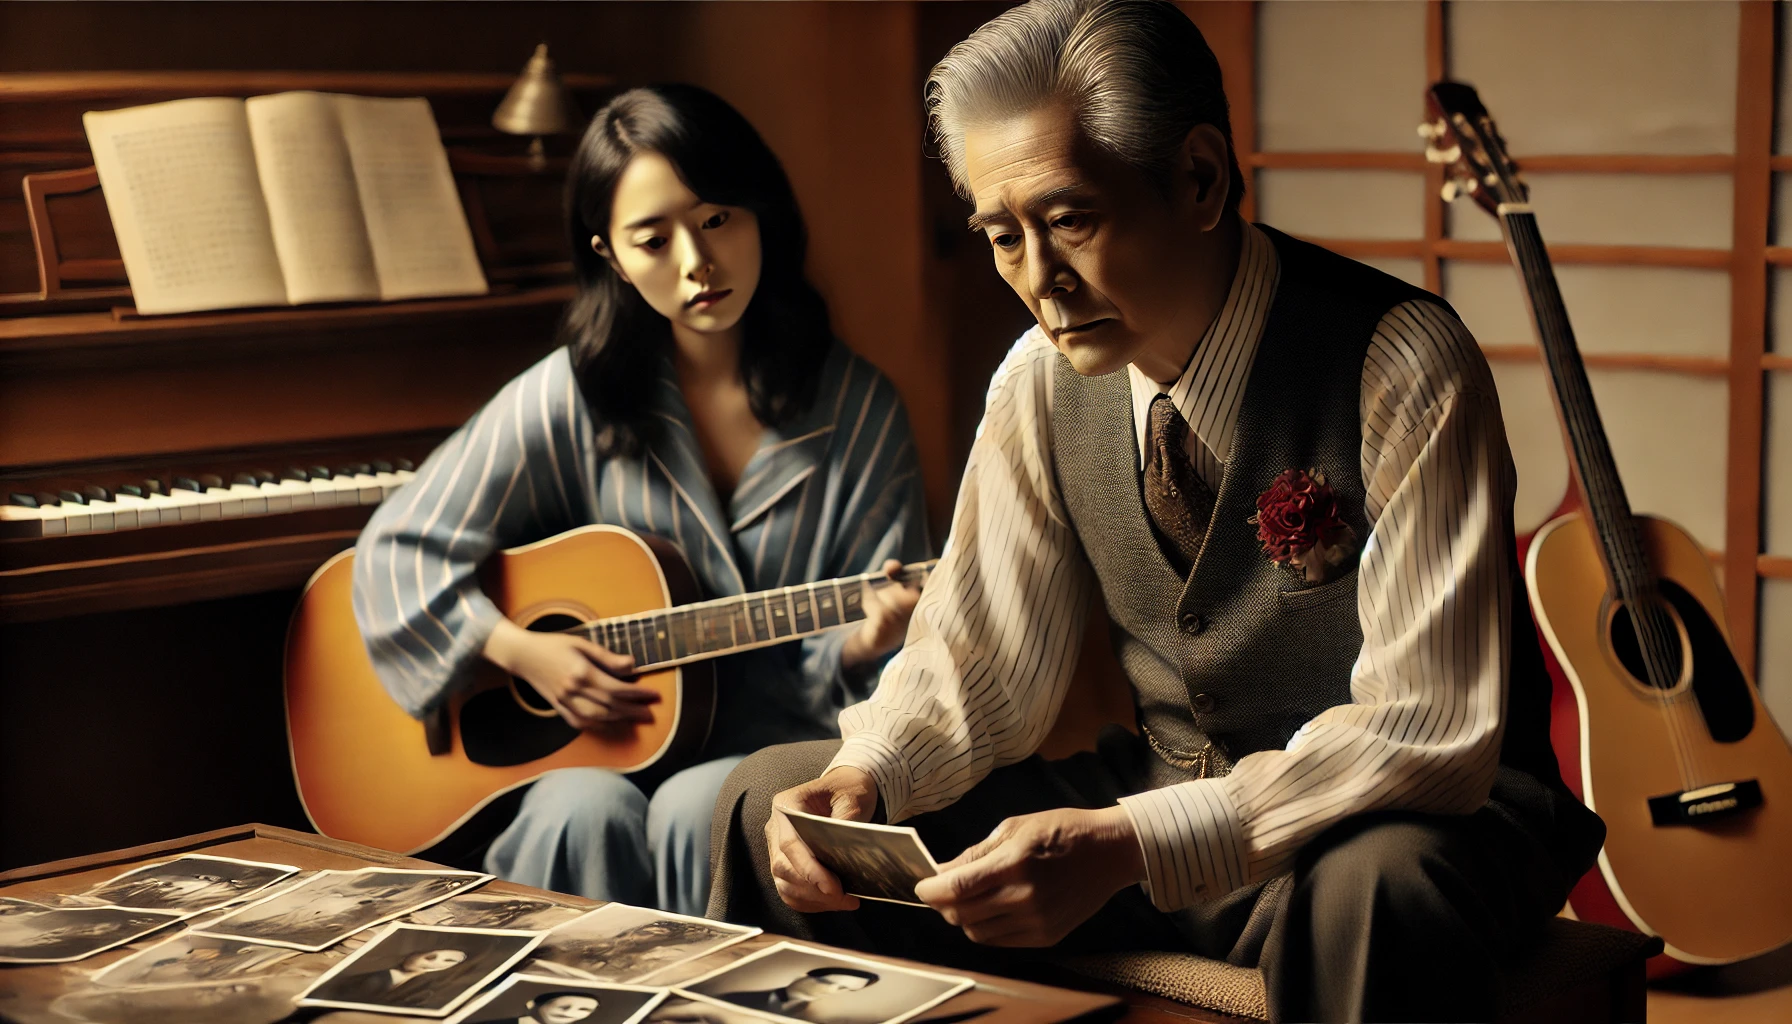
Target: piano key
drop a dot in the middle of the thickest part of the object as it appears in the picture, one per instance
(297, 484)
(23, 516)
(137, 508)
(359, 484)
(229, 506)
(107, 514)
(74, 512)
(149, 506)
(248, 489)
(198, 498)
(278, 498)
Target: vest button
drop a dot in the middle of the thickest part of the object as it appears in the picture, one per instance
(1202, 703)
(1192, 623)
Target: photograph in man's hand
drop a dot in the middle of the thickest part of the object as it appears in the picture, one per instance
(876, 862)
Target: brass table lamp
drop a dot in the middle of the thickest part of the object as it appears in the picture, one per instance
(538, 104)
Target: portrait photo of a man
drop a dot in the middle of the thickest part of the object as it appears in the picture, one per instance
(807, 984)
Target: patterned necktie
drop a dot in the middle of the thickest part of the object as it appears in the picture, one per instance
(1178, 501)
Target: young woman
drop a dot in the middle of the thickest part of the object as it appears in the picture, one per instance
(700, 396)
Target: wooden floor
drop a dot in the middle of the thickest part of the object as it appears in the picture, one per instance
(1757, 991)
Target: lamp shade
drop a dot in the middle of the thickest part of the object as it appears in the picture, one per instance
(539, 103)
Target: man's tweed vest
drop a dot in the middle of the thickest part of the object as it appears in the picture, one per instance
(1243, 652)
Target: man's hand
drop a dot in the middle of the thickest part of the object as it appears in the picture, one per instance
(1037, 876)
(886, 621)
(846, 793)
(582, 680)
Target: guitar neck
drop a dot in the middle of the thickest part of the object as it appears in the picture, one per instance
(1626, 564)
(710, 629)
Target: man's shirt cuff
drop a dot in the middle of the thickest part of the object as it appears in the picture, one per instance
(871, 753)
(1193, 841)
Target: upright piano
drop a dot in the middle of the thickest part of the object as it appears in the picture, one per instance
(168, 483)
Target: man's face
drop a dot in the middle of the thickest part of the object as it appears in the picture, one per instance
(814, 986)
(1102, 258)
(566, 1009)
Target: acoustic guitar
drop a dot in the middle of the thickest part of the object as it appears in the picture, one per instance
(369, 773)
(1677, 753)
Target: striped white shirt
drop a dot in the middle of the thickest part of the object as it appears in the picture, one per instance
(996, 635)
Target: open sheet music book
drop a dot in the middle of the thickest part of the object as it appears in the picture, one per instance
(284, 199)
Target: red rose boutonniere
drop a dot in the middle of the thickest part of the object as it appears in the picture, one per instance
(1298, 522)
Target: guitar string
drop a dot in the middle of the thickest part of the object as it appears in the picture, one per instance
(1645, 613)
(619, 624)
(1607, 503)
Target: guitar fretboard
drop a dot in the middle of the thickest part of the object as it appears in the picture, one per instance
(708, 629)
(1627, 564)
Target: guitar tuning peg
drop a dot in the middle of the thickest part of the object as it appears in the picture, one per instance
(1442, 156)
(1459, 187)
(1431, 129)
(1490, 179)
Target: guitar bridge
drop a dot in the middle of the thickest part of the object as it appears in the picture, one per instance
(1708, 803)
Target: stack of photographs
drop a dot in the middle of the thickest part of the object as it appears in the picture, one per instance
(422, 944)
(332, 905)
(129, 907)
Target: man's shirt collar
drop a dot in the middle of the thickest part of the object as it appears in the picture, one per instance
(1211, 389)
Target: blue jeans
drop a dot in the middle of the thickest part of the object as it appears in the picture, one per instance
(593, 833)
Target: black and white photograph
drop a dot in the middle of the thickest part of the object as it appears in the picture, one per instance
(876, 862)
(529, 999)
(495, 910)
(248, 1001)
(35, 934)
(686, 1008)
(801, 983)
(189, 959)
(190, 884)
(617, 942)
(332, 905)
(426, 971)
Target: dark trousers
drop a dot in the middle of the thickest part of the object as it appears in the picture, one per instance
(1388, 916)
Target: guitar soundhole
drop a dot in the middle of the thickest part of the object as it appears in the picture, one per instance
(515, 724)
(1629, 649)
(1718, 684)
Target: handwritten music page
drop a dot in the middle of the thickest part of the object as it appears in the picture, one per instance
(313, 205)
(415, 223)
(181, 185)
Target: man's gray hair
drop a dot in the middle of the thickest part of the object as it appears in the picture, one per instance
(1137, 74)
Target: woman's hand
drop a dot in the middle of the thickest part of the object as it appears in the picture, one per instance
(846, 793)
(582, 680)
(886, 621)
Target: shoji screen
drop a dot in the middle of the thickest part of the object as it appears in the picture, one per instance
(1645, 130)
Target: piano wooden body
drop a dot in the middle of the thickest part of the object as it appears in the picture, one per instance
(139, 659)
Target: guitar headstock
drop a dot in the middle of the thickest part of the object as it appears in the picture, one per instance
(1461, 135)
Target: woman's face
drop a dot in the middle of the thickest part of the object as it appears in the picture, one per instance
(695, 263)
(432, 960)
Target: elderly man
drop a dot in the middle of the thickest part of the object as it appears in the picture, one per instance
(1287, 476)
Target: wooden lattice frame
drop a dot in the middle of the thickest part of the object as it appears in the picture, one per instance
(1751, 169)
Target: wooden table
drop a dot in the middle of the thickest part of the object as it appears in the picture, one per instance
(26, 992)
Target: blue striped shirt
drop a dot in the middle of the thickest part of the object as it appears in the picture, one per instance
(832, 493)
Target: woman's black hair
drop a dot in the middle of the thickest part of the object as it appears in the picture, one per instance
(616, 339)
